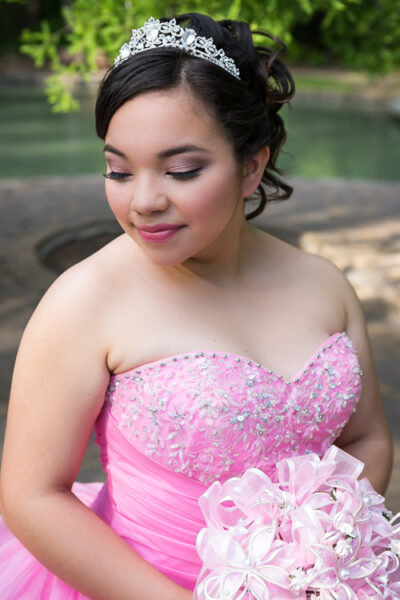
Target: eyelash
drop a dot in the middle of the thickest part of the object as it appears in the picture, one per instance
(115, 175)
(180, 176)
(184, 175)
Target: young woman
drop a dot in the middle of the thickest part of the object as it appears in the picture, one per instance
(194, 344)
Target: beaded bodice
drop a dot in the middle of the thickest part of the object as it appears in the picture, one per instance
(210, 415)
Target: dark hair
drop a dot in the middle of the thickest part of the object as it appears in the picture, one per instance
(247, 109)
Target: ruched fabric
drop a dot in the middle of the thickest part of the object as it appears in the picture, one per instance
(153, 508)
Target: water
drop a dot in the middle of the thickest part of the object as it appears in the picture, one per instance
(323, 141)
(334, 141)
(35, 141)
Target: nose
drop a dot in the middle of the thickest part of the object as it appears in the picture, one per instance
(148, 196)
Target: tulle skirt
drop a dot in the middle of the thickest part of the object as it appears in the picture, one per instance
(22, 577)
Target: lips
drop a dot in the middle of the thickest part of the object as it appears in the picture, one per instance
(162, 232)
(159, 227)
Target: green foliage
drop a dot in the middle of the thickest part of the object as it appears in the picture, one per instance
(42, 45)
(356, 33)
(367, 35)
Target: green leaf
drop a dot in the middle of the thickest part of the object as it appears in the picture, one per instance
(350, 33)
(59, 95)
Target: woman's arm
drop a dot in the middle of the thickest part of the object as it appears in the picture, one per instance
(58, 389)
(367, 435)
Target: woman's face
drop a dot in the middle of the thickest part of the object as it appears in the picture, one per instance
(173, 182)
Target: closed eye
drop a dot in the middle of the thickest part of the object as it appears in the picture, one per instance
(183, 175)
(116, 175)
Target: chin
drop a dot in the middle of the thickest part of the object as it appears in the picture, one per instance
(164, 258)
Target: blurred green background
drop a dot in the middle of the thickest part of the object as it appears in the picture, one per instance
(345, 55)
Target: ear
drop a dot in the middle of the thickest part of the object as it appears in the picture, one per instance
(253, 170)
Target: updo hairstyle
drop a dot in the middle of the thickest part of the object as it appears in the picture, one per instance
(246, 109)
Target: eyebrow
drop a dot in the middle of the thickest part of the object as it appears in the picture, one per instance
(182, 150)
(109, 148)
(165, 153)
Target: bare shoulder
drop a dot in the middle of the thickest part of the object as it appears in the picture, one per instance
(75, 294)
(84, 286)
(75, 310)
(323, 273)
(322, 285)
(299, 257)
(304, 265)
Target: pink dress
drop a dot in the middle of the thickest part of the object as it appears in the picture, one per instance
(169, 428)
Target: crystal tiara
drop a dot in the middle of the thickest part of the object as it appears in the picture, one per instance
(169, 34)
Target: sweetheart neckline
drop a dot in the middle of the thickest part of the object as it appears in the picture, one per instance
(328, 342)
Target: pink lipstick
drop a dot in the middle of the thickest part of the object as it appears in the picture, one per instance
(158, 234)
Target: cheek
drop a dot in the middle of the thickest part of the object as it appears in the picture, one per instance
(118, 199)
(218, 199)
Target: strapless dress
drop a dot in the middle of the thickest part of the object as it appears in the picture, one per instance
(170, 428)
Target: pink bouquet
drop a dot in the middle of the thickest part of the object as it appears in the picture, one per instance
(317, 532)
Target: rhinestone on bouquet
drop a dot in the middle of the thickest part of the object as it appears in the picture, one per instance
(155, 34)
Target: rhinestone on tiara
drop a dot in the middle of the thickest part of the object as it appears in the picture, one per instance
(169, 34)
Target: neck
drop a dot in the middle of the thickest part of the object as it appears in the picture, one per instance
(221, 265)
(222, 262)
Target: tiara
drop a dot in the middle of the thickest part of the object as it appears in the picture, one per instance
(169, 34)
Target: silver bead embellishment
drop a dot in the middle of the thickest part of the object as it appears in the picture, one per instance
(197, 414)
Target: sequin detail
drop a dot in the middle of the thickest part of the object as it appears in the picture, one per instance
(209, 415)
